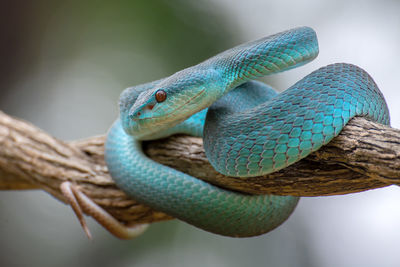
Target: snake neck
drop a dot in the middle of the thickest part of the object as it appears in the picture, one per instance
(196, 88)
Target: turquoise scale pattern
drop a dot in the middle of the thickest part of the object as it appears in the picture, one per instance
(293, 124)
(249, 131)
(271, 54)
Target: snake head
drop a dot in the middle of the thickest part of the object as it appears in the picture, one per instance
(171, 101)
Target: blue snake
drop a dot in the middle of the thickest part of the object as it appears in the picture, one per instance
(248, 129)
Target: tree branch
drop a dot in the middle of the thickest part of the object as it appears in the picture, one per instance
(364, 156)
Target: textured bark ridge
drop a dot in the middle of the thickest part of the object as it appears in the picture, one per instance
(364, 156)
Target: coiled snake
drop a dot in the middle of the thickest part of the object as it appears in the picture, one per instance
(250, 130)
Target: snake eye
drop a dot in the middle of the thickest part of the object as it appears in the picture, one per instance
(161, 95)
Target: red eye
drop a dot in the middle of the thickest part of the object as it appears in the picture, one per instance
(161, 95)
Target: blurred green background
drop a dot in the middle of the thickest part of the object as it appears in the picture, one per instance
(64, 64)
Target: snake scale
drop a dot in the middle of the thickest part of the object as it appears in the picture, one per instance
(249, 129)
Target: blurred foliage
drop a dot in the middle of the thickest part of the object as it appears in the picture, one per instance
(172, 32)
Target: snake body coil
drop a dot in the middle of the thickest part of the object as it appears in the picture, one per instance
(249, 131)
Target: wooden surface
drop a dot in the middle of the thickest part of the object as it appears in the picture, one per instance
(364, 156)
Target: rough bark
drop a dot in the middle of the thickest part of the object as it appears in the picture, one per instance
(364, 156)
